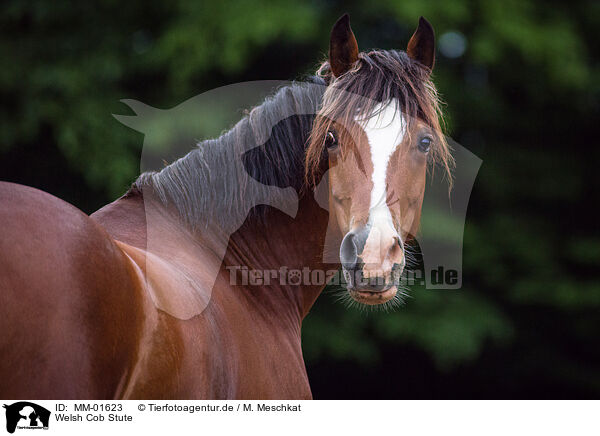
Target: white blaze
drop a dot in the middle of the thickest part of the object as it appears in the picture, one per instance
(385, 132)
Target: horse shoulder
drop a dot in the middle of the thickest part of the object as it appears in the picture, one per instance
(70, 302)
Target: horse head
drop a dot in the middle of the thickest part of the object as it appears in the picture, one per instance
(377, 130)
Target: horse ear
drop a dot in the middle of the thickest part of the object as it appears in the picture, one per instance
(421, 46)
(343, 48)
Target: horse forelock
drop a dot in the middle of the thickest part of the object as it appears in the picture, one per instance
(378, 78)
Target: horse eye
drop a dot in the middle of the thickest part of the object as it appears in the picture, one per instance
(330, 140)
(424, 144)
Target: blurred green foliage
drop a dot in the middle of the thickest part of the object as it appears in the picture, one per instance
(524, 96)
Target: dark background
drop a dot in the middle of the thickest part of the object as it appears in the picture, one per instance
(521, 82)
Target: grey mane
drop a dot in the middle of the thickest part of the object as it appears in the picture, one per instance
(265, 148)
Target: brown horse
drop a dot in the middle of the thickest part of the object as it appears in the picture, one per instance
(90, 308)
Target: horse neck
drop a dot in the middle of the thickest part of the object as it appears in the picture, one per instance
(260, 244)
(277, 245)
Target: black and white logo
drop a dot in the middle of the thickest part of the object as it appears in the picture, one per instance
(26, 415)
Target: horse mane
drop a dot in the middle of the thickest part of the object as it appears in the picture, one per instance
(206, 184)
(377, 77)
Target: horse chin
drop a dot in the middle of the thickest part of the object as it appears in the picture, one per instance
(372, 298)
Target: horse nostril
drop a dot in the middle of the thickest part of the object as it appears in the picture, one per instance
(396, 251)
(348, 252)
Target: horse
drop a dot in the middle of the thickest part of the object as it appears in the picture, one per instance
(91, 310)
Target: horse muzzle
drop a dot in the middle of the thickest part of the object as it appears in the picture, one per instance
(371, 265)
(372, 288)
